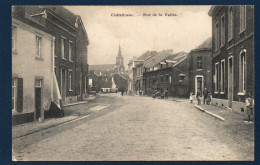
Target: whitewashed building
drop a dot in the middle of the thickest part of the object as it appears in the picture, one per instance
(33, 81)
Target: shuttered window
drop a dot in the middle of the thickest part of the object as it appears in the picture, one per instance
(20, 95)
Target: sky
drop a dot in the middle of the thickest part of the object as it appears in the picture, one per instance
(185, 28)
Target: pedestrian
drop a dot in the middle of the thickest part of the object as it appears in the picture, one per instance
(198, 97)
(122, 92)
(166, 93)
(209, 98)
(249, 106)
(205, 95)
(191, 97)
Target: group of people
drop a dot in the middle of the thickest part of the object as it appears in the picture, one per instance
(161, 93)
(206, 97)
(249, 100)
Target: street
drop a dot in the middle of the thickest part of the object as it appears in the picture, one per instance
(135, 128)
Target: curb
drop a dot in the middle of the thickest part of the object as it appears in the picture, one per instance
(50, 126)
(210, 113)
(77, 103)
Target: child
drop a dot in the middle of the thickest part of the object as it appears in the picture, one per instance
(249, 106)
(191, 97)
(198, 97)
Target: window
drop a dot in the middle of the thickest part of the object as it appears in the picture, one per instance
(242, 68)
(216, 79)
(14, 93)
(17, 94)
(38, 83)
(222, 77)
(70, 45)
(62, 48)
(70, 80)
(167, 78)
(161, 78)
(154, 82)
(242, 18)
(38, 46)
(216, 37)
(14, 39)
(199, 62)
(231, 24)
(223, 30)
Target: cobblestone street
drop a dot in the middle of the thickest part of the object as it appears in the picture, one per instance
(138, 128)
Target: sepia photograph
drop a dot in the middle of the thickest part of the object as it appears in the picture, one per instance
(133, 83)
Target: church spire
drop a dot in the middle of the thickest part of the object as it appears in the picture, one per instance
(119, 51)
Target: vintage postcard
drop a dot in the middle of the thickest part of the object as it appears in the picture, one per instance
(133, 83)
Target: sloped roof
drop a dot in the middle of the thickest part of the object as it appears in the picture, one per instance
(102, 67)
(207, 44)
(146, 55)
(155, 59)
(59, 11)
(175, 56)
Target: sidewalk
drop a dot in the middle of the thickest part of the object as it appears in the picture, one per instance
(233, 122)
(29, 128)
(32, 127)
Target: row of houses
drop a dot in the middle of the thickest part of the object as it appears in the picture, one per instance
(49, 61)
(223, 63)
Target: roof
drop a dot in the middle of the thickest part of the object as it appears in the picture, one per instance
(155, 59)
(175, 56)
(207, 44)
(146, 55)
(123, 75)
(64, 14)
(102, 67)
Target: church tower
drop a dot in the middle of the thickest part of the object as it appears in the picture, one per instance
(120, 61)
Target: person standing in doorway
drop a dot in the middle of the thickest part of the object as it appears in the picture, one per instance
(205, 95)
(249, 106)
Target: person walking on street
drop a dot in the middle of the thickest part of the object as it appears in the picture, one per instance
(166, 93)
(122, 92)
(205, 95)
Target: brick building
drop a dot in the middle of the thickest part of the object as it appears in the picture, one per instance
(120, 81)
(199, 68)
(233, 55)
(171, 76)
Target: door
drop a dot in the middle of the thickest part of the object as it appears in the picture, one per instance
(199, 85)
(38, 102)
(63, 84)
(230, 82)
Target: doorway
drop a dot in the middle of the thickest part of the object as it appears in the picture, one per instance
(38, 98)
(63, 84)
(230, 81)
(199, 84)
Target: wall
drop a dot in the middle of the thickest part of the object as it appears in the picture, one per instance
(241, 41)
(175, 88)
(26, 66)
(82, 60)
